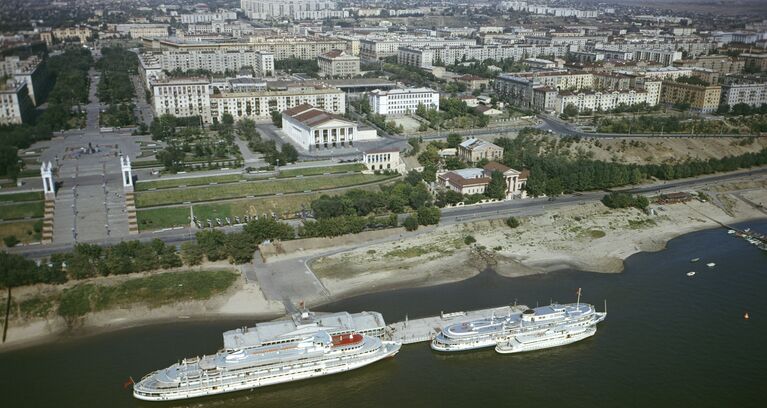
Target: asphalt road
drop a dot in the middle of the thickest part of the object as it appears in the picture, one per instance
(560, 127)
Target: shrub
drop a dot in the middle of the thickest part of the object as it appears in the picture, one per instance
(625, 200)
(468, 240)
(410, 223)
(10, 241)
(512, 222)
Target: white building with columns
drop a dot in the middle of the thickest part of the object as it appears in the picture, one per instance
(314, 128)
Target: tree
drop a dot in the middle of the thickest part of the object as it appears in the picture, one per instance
(264, 229)
(212, 242)
(240, 246)
(497, 186)
(453, 140)
(723, 109)
(10, 241)
(428, 215)
(289, 153)
(192, 253)
(570, 110)
(277, 119)
(410, 223)
(413, 177)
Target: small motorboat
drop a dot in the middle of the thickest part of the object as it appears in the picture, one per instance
(691, 273)
(730, 232)
(694, 259)
(711, 264)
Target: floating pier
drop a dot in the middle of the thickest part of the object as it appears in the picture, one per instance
(424, 329)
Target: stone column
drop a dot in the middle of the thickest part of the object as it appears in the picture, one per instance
(127, 173)
(49, 188)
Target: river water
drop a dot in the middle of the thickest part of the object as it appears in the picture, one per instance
(669, 340)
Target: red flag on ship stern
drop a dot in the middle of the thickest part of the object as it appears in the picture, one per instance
(128, 383)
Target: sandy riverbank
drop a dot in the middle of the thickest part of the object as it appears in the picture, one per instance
(242, 299)
(587, 237)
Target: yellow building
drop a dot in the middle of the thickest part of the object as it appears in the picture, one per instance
(700, 98)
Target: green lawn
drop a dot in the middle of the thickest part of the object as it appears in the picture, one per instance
(17, 197)
(254, 188)
(286, 206)
(191, 181)
(313, 171)
(20, 211)
(159, 218)
(24, 231)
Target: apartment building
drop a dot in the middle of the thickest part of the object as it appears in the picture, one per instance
(664, 57)
(427, 56)
(217, 60)
(31, 71)
(402, 101)
(518, 88)
(82, 33)
(700, 98)
(182, 97)
(600, 101)
(720, 63)
(196, 18)
(753, 94)
(142, 30)
(337, 63)
(291, 9)
(755, 62)
(15, 105)
(280, 47)
(374, 48)
(260, 105)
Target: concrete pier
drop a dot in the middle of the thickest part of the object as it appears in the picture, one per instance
(424, 329)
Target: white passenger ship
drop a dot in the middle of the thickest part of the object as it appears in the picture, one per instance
(312, 349)
(489, 332)
(543, 340)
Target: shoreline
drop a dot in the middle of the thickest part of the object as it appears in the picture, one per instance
(84, 332)
(565, 239)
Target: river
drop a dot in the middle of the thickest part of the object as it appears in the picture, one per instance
(669, 340)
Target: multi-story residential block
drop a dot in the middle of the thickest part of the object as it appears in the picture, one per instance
(15, 105)
(721, 63)
(142, 30)
(337, 63)
(600, 101)
(473, 150)
(612, 81)
(222, 15)
(310, 127)
(291, 9)
(260, 105)
(665, 73)
(660, 56)
(753, 94)
(32, 71)
(614, 54)
(216, 60)
(402, 101)
(280, 47)
(700, 98)
(182, 97)
(374, 48)
(585, 56)
(230, 28)
(754, 62)
(82, 33)
(518, 88)
(427, 56)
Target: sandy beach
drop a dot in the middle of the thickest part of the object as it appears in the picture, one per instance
(588, 237)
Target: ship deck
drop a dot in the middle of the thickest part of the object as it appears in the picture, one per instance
(424, 329)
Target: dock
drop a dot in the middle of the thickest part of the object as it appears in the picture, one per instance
(423, 329)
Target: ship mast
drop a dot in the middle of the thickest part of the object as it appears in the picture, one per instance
(578, 303)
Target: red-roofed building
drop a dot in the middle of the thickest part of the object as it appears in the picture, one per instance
(474, 181)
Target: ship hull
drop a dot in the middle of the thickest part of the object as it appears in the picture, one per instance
(246, 383)
(516, 346)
